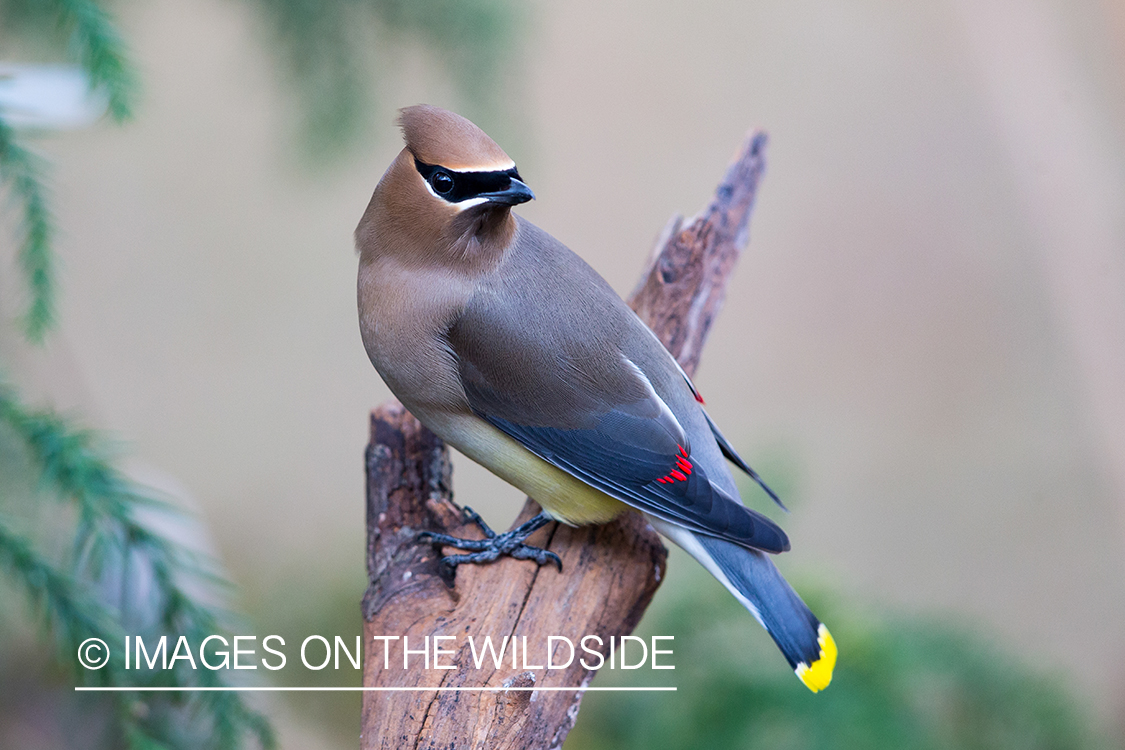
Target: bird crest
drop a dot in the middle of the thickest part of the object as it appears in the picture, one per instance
(439, 137)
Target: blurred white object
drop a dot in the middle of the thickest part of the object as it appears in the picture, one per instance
(55, 97)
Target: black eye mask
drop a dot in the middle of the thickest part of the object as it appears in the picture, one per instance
(456, 186)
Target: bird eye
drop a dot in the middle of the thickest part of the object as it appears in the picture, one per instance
(442, 182)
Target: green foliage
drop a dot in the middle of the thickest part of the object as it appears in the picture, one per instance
(88, 35)
(74, 614)
(324, 50)
(328, 48)
(96, 45)
(119, 576)
(902, 683)
(83, 31)
(23, 172)
(114, 551)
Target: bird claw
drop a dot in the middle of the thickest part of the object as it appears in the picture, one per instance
(471, 515)
(510, 543)
(539, 555)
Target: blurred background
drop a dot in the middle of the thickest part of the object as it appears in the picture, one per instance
(923, 348)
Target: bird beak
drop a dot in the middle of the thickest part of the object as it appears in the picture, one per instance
(517, 192)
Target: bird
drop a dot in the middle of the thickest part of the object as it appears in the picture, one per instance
(512, 349)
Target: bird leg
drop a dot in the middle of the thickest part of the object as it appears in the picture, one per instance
(509, 543)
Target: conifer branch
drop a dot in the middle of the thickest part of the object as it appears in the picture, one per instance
(95, 44)
(72, 613)
(73, 466)
(22, 171)
(328, 60)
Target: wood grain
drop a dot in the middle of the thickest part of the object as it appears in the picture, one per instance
(610, 572)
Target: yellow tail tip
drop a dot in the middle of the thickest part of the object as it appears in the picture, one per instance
(817, 676)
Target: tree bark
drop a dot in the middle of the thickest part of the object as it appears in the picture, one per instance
(610, 572)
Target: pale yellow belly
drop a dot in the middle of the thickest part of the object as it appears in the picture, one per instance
(565, 498)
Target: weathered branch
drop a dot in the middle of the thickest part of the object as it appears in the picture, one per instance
(610, 572)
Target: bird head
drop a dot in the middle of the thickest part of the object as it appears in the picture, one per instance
(448, 193)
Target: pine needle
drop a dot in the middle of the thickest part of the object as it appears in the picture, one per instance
(22, 171)
(101, 52)
(74, 466)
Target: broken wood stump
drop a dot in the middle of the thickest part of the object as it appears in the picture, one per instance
(413, 619)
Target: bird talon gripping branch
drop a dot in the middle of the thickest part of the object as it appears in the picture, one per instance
(493, 546)
(472, 515)
(513, 350)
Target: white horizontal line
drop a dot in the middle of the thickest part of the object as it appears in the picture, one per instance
(271, 689)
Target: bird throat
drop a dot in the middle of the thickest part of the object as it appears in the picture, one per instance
(483, 234)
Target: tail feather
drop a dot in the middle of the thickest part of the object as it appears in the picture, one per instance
(756, 582)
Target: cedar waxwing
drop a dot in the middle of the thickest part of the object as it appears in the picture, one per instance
(513, 350)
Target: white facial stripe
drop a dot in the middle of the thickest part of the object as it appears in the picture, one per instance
(468, 203)
(432, 191)
(460, 206)
(497, 167)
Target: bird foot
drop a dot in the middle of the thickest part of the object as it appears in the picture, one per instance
(510, 543)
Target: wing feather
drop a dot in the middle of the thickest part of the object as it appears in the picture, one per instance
(632, 473)
(636, 452)
(539, 349)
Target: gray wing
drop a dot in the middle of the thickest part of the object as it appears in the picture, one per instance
(543, 364)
